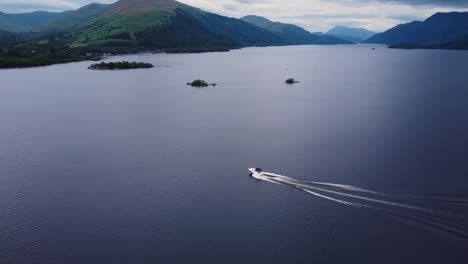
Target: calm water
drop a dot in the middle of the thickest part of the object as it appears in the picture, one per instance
(136, 167)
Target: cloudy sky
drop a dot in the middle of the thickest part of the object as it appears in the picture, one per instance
(314, 15)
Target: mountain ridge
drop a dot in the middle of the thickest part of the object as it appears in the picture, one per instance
(350, 34)
(438, 29)
(143, 6)
(294, 33)
(24, 22)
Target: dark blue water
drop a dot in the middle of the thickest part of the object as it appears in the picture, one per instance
(136, 167)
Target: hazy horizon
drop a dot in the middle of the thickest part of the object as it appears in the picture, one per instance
(314, 15)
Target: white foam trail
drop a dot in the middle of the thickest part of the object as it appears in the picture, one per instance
(264, 179)
(286, 180)
(348, 187)
(343, 186)
(404, 207)
(268, 174)
(335, 200)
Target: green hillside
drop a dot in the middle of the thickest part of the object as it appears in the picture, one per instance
(193, 30)
(75, 19)
(119, 29)
(99, 24)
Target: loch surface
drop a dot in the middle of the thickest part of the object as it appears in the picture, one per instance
(135, 166)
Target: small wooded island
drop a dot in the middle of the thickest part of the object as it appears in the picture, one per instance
(122, 65)
(291, 81)
(200, 83)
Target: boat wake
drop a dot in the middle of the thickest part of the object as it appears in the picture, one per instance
(442, 214)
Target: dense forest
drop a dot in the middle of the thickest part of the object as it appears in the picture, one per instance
(452, 45)
(19, 50)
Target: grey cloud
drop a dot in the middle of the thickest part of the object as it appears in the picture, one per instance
(439, 3)
(250, 1)
(452, 3)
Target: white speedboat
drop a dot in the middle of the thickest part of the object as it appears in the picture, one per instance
(259, 174)
(256, 172)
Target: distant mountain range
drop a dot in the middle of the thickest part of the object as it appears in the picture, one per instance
(158, 24)
(442, 30)
(27, 21)
(173, 26)
(294, 34)
(356, 35)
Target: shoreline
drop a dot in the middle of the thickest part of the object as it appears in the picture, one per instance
(100, 58)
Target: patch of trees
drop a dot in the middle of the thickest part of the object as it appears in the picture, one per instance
(200, 83)
(123, 35)
(40, 55)
(291, 81)
(122, 65)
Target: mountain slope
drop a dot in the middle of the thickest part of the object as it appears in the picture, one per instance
(78, 18)
(350, 34)
(292, 33)
(143, 6)
(439, 28)
(189, 31)
(27, 21)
